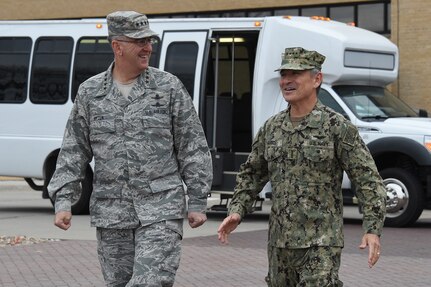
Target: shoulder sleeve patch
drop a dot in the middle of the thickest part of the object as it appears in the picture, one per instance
(348, 135)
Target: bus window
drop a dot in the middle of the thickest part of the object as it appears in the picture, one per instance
(326, 99)
(181, 61)
(230, 74)
(93, 56)
(14, 64)
(154, 59)
(50, 71)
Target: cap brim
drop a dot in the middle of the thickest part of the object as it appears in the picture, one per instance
(295, 67)
(142, 34)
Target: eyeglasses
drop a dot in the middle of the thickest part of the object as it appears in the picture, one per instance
(140, 42)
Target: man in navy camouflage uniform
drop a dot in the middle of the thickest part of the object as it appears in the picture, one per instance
(140, 126)
(303, 151)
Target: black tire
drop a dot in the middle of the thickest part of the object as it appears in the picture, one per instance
(81, 202)
(405, 197)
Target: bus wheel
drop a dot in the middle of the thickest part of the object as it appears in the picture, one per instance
(404, 197)
(81, 200)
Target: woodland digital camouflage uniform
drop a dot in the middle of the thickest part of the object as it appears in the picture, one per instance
(305, 164)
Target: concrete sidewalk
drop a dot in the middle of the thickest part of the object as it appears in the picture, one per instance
(405, 261)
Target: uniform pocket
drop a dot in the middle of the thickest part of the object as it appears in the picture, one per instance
(175, 225)
(158, 127)
(318, 162)
(107, 191)
(280, 159)
(273, 152)
(102, 126)
(172, 251)
(318, 153)
(160, 119)
(165, 183)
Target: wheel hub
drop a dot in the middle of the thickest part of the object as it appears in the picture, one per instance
(397, 197)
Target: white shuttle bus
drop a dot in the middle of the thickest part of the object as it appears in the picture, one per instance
(227, 66)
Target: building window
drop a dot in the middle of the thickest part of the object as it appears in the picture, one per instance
(388, 17)
(315, 11)
(374, 16)
(262, 13)
(233, 14)
(371, 17)
(286, 12)
(344, 14)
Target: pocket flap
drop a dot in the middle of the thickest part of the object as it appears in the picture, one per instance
(165, 183)
(272, 152)
(101, 126)
(318, 153)
(107, 191)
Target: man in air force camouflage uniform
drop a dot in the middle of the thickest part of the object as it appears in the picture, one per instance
(140, 126)
(303, 151)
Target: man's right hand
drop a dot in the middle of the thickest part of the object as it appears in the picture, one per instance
(63, 219)
(228, 225)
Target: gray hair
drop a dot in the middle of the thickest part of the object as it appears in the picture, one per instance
(111, 38)
(314, 72)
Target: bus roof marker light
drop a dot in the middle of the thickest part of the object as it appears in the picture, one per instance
(322, 18)
(287, 17)
(99, 26)
(257, 24)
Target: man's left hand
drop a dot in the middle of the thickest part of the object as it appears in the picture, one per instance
(196, 219)
(373, 243)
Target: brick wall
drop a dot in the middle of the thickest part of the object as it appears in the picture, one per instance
(411, 31)
(49, 9)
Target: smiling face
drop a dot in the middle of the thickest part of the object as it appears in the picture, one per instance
(133, 54)
(299, 86)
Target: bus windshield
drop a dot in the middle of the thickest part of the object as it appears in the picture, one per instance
(373, 103)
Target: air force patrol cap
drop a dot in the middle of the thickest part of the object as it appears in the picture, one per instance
(298, 58)
(130, 24)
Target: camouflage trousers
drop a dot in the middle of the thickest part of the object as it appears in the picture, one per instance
(146, 256)
(307, 267)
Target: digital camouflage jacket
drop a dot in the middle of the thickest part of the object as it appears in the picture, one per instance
(144, 147)
(305, 167)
